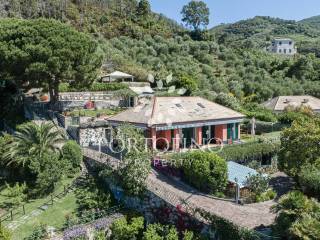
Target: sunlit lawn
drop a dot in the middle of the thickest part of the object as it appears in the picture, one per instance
(53, 216)
(250, 138)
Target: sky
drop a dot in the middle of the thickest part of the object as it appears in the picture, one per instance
(229, 11)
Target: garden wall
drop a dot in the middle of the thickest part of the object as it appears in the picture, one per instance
(154, 208)
(91, 136)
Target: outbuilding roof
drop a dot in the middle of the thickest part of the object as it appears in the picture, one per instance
(238, 173)
(282, 102)
(175, 110)
(117, 75)
(145, 90)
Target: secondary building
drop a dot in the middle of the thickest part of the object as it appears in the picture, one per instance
(281, 103)
(182, 122)
(283, 46)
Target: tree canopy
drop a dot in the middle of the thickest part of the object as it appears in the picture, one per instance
(43, 53)
(196, 14)
(299, 145)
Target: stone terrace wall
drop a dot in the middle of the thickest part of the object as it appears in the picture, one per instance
(154, 208)
(69, 100)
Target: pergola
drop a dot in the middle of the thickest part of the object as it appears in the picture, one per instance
(117, 75)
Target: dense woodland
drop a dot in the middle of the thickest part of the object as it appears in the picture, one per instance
(228, 59)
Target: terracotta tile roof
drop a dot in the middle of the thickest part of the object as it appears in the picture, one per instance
(168, 110)
(281, 102)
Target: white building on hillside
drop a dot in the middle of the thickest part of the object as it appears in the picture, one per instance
(284, 46)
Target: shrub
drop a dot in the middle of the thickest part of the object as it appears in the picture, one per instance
(297, 216)
(295, 114)
(91, 195)
(16, 194)
(94, 87)
(39, 233)
(266, 196)
(159, 232)
(249, 151)
(206, 171)
(122, 229)
(72, 154)
(258, 183)
(299, 146)
(309, 179)
(263, 114)
(4, 233)
(266, 127)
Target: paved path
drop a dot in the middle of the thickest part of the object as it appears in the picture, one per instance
(177, 193)
(249, 216)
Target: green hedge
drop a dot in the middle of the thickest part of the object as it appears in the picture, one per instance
(205, 171)
(95, 87)
(249, 151)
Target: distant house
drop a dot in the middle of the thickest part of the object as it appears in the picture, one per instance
(283, 46)
(279, 104)
(182, 121)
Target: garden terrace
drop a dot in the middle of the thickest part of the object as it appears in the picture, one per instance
(94, 112)
(95, 87)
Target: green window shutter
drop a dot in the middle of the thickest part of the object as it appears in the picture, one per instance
(229, 131)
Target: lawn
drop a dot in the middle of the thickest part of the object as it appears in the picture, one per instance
(54, 217)
(267, 136)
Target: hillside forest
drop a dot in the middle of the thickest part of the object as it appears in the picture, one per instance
(227, 64)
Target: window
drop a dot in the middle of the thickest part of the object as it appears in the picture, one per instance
(290, 51)
(280, 51)
(280, 43)
(285, 50)
(290, 43)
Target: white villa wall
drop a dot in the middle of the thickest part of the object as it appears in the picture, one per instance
(283, 46)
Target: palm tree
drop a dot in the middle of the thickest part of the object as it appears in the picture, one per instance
(33, 141)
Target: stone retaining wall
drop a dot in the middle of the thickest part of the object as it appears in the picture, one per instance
(154, 208)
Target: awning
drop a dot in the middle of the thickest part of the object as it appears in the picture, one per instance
(238, 173)
(118, 75)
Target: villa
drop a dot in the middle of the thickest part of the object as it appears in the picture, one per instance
(182, 122)
(283, 46)
(279, 104)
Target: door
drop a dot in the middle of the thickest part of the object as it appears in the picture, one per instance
(188, 135)
(205, 134)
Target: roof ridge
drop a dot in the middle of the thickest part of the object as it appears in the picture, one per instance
(153, 109)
